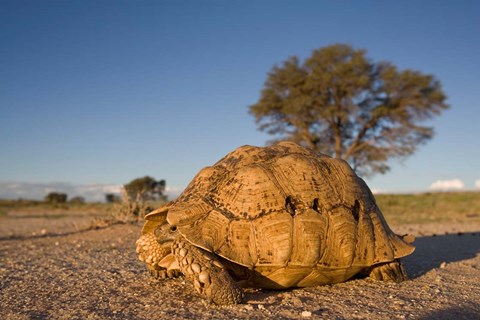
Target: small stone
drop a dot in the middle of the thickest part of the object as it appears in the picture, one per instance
(249, 307)
(261, 307)
(306, 314)
(443, 265)
(297, 302)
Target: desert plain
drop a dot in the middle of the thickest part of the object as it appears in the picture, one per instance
(77, 262)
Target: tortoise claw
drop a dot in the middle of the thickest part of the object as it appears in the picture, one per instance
(164, 273)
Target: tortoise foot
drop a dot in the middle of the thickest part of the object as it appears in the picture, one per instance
(390, 271)
(164, 273)
(208, 275)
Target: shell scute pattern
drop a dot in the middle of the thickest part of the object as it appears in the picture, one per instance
(291, 216)
(238, 209)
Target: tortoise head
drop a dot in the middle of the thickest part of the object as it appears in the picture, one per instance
(155, 245)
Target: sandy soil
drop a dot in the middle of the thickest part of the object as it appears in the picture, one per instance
(57, 267)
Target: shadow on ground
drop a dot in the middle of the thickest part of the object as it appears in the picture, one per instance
(464, 312)
(432, 251)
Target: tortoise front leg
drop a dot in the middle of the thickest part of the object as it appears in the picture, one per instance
(160, 262)
(208, 275)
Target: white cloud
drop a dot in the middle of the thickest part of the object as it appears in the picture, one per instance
(173, 192)
(38, 191)
(377, 191)
(443, 185)
(96, 192)
(477, 184)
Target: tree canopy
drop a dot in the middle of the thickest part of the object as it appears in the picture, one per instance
(343, 104)
(56, 197)
(147, 188)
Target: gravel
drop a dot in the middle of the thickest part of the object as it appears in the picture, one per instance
(65, 269)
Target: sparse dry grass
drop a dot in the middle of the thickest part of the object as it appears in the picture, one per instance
(398, 209)
(130, 210)
(461, 207)
(103, 214)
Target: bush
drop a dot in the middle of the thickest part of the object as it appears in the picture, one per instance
(130, 209)
(56, 197)
(77, 200)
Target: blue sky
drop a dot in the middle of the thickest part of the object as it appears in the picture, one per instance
(97, 93)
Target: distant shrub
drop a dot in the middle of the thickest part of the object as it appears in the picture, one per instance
(130, 209)
(56, 198)
(77, 200)
(112, 198)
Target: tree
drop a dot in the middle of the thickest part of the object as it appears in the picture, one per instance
(147, 188)
(56, 197)
(112, 198)
(77, 200)
(343, 104)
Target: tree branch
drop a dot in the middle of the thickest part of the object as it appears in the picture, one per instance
(356, 144)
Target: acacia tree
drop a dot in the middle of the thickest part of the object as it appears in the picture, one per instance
(147, 188)
(341, 103)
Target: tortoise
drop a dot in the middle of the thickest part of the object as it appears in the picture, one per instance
(272, 217)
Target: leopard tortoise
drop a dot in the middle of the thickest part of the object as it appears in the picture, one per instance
(272, 217)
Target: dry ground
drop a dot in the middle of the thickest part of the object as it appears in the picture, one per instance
(53, 266)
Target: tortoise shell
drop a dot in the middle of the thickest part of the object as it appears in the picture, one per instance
(292, 216)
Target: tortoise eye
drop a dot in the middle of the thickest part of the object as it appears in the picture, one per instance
(173, 228)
